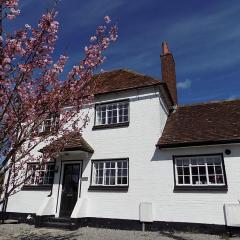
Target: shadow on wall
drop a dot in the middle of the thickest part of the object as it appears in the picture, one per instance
(166, 154)
(161, 155)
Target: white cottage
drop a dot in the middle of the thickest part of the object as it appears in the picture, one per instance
(142, 159)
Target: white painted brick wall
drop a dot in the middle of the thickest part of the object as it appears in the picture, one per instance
(150, 171)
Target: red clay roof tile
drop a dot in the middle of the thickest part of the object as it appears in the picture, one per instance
(202, 124)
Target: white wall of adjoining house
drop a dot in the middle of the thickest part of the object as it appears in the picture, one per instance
(198, 207)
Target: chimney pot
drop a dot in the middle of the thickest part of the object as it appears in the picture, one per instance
(165, 49)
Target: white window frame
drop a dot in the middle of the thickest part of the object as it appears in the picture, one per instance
(205, 159)
(33, 179)
(115, 169)
(99, 113)
(54, 121)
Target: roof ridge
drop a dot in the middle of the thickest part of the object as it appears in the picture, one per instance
(129, 71)
(208, 103)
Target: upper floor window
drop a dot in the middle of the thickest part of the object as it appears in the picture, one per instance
(49, 124)
(39, 174)
(110, 173)
(112, 113)
(199, 171)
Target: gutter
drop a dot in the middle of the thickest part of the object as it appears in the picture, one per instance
(196, 144)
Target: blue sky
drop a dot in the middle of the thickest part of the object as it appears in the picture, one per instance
(204, 37)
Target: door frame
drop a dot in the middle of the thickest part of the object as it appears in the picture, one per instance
(59, 194)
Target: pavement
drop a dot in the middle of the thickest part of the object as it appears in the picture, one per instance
(29, 232)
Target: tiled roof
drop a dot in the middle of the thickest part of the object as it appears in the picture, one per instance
(202, 124)
(74, 142)
(120, 80)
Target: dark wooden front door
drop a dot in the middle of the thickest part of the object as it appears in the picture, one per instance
(70, 188)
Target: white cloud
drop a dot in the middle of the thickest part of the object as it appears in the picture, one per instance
(185, 84)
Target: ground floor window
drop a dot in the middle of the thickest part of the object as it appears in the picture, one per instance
(110, 173)
(39, 174)
(201, 170)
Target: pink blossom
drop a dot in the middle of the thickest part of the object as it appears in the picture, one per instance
(107, 19)
(32, 84)
(27, 26)
(93, 38)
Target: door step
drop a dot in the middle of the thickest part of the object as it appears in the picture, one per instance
(60, 223)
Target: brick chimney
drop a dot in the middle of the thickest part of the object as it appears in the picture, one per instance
(168, 71)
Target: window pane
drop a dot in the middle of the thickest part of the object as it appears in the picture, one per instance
(179, 170)
(186, 179)
(186, 171)
(124, 172)
(100, 180)
(186, 162)
(195, 179)
(211, 179)
(210, 170)
(218, 169)
(100, 173)
(194, 161)
(124, 164)
(203, 179)
(200, 161)
(112, 164)
(112, 181)
(124, 180)
(180, 180)
(219, 179)
(112, 172)
(179, 162)
(202, 170)
(209, 161)
(217, 161)
(119, 172)
(119, 164)
(119, 180)
(194, 170)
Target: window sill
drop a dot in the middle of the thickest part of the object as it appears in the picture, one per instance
(37, 188)
(109, 188)
(125, 124)
(200, 189)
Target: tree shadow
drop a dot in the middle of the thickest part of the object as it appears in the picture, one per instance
(49, 236)
(172, 236)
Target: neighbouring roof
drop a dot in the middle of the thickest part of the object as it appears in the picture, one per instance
(74, 142)
(120, 80)
(202, 124)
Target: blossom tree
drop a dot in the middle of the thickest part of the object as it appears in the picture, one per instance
(31, 90)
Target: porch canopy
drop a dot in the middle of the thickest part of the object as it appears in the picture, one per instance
(74, 142)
